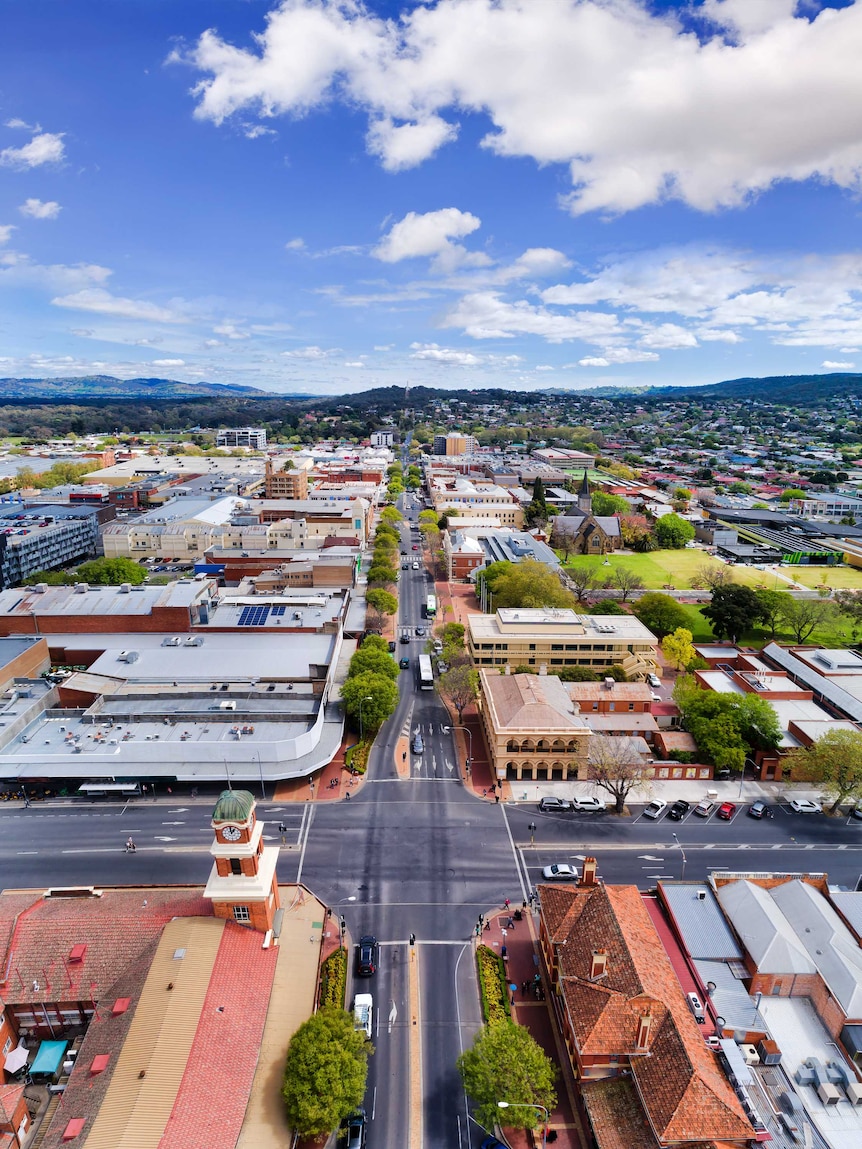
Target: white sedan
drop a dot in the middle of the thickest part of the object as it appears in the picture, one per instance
(560, 873)
(805, 806)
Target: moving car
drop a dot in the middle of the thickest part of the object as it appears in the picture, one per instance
(805, 806)
(555, 804)
(404, 663)
(363, 1009)
(405, 637)
(560, 873)
(726, 811)
(405, 566)
(418, 744)
(355, 1126)
(420, 631)
(758, 810)
(655, 809)
(589, 803)
(679, 810)
(705, 808)
(366, 956)
(416, 566)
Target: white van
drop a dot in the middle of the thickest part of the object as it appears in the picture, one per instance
(363, 1008)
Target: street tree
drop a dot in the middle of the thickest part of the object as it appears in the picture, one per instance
(536, 514)
(626, 581)
(733, 611)
(604, 504)
(802, 616)
(390, 515)
(616, 767)
(672, 532)
(381, 574)
(460, 686)
(506, 1061)
(325, 1073)
(375, 642)
(381, 603)
(835, 761)
(772, 604)
(660, 613)
(111, 572)
(374, 660)
(564, 540)
(849, 603)
(582, 580)
(377, 694)
(678, 648)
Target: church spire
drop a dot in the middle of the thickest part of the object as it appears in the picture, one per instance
(585, 503)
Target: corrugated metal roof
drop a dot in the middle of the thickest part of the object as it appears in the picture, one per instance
(731, 999)
(700, 922)
(825, 688)
(849, 905)
(153, 1060)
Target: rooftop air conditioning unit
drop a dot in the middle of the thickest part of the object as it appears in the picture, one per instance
(127, 656)
(125, 588)
(81, 587)
(40, 588)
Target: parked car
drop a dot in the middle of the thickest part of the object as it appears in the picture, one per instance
(555, 804)
(726, 811)
(705, 808)
(560, 872)
(856, 813)
(589, 803)
(654, 681)
(655, 809)
(679, 810)
(355, 1126)
(366, 956)
(805, 806)
(391, 647)
(758, 810)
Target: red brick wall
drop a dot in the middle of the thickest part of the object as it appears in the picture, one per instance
(174, 619)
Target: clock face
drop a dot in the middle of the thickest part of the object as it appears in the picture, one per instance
(231, 834)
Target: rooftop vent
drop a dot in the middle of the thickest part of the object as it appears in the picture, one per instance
(128, 656)
(175, 641)
(76, 953)
(195, 640)
(125, 588)
(81, 587)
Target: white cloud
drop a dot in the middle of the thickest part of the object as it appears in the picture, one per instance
(310, 353)
(39, 209)
(101, 302)
(257, 131)
(295, 244)
(230, 331)
(594, 361)
(431, 234)
(384, 346)
(44, 148)
(544, 367)
(639, 109)
(16, 123)
(668, 336)
(439, 354)
(6, 230)
(832, 366)
(355, 363)
(486, 315)
(169, 362)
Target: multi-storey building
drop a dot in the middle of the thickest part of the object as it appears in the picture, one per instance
(288, 483)
(254, 437)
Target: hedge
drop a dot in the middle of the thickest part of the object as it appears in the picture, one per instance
(333, 980)
(493, 985)
(356, 757)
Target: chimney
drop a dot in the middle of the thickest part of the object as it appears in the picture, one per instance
(644, 1026)
(588, 872)
(598, 965)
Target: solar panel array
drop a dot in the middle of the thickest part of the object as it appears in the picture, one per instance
(278, 610)
(253, 615)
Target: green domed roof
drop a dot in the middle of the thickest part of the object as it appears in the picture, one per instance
(233, 806)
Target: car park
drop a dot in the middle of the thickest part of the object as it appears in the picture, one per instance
(587, 803)
(758, 810)
(418, 744)
(555, 804)
(679, 810)
(805, 806)
(560, 872)
(355, 1127)
(366, 956)
(726, 811)
(655, 809)
(705, 808)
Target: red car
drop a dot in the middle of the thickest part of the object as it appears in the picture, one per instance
(726, 811)
(415, 548)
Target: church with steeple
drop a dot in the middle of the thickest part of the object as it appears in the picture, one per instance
(590, 534)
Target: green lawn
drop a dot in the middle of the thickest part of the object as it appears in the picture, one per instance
(660, 567)
(833, 634)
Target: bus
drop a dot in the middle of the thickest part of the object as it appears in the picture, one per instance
(426, 675)
(431, 606)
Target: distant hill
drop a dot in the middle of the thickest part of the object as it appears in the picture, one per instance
(109, 387)
(795, 390)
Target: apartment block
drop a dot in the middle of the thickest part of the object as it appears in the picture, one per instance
(254, 437)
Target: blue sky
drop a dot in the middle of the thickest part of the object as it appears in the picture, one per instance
(326, 196)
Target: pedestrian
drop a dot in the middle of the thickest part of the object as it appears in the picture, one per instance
(507, 903)
(504, 953)
(130, 846)
(525, 985)
(348, 795)
(510, 924)
(497, 799)
(488, 926)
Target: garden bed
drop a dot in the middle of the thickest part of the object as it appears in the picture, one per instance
(493, 985)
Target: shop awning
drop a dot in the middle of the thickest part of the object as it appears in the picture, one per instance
(49, 1058)
(16, 1059)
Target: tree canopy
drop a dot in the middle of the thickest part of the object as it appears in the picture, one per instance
(325, 1072)
(733, 610)
(460, 685)
(604, 504)
(727, 727)
(678, 648)
(835, 761)
(382, 603)
(660, 613)
(617, 768)
(528, 584)
(672, 532)
(505, 1061)
(377, 694)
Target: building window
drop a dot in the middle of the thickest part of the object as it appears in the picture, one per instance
(241, 914)
(235, 866)
(7, 1046)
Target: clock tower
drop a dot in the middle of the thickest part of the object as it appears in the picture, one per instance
(242, 884)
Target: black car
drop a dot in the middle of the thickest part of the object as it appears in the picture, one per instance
(555, 804)
(391, 647)
(679, 810)
(366, 956)
(355, 1127)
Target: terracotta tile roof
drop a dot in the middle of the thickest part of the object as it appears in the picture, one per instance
(682, 1089)
(116, 928)
(10, 1095)
(224, 1056)
(615, 1114)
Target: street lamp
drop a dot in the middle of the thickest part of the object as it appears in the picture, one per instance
(469, 733)
(367, 698)
(682, 851)
(529, 1105)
